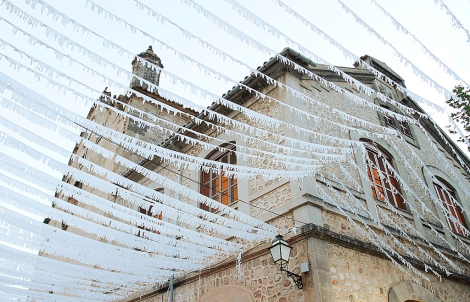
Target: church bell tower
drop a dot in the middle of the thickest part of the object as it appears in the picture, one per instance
(145, 70)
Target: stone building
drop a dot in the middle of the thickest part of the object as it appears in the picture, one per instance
(348, 220)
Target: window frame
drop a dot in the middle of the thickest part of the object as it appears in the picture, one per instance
(383, 191)
(226, 153)
(392, 122)
(403, 128)
(448, 196)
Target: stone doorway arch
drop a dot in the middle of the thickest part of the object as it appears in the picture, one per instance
(409, 291)
(227, 293)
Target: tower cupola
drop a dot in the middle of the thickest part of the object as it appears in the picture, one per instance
(145, 70)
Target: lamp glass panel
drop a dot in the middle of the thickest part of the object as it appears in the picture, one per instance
(285, 252)
(276, 252)
(280, 251)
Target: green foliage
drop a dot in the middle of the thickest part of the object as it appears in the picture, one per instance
(462, 105)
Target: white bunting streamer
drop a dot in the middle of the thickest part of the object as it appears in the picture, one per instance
(91, 248)
(455, 22)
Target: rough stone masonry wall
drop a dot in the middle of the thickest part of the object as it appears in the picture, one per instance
(337, 223)
(109, 119)
(358, 277)
(355, 277)
(271, 200)
(272, 110)
(329, 124)
(261, 281)
(153, 135)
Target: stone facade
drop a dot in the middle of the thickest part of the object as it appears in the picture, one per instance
(360, 277)
(336, 236)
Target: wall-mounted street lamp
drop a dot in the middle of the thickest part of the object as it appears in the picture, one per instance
(280, 251)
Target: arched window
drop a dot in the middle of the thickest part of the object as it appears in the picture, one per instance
(218, 186)
(454, 213)
(384, 185)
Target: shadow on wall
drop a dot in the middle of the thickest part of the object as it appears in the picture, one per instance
(407, 291)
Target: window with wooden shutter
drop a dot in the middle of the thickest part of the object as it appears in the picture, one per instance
(219, 186)
(384, 185)
(453, 213)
